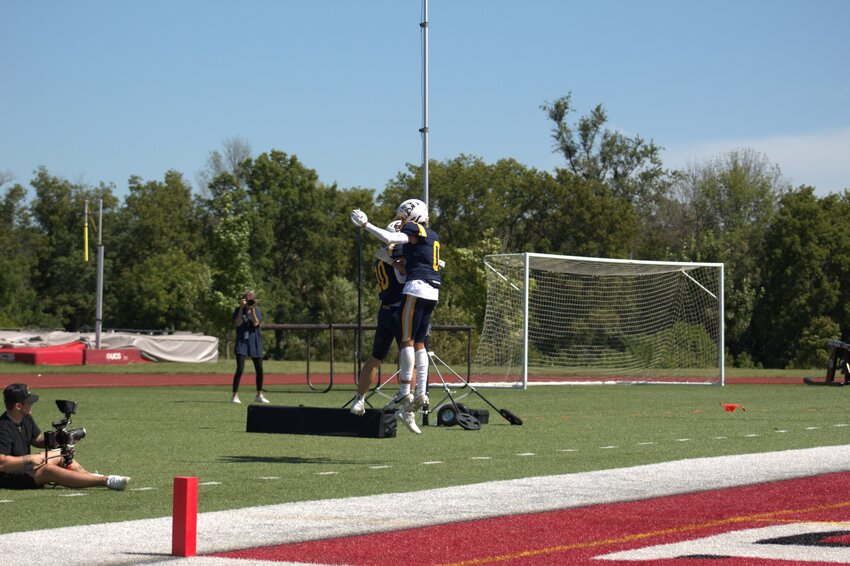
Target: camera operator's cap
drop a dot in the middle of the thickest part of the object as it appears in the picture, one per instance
(19, 393)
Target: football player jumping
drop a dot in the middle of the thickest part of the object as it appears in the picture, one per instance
(421, 292)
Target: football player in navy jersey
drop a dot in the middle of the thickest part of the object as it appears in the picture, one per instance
(421, 293)
(390, 278)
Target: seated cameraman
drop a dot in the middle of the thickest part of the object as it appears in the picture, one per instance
(21, 470)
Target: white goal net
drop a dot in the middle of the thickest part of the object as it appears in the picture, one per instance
(567, 319)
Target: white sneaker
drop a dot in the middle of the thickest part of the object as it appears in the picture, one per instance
(118, 483)
(398, 401)
(359, 408)
(235, 399)
(260, 399)
(409, 420)
(417, 403)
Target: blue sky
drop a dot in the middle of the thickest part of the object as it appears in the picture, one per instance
(102, 90)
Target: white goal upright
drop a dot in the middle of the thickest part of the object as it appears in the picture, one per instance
(569, 319)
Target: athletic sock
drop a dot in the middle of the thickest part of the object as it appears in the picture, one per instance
(421, 371)
(406, 376)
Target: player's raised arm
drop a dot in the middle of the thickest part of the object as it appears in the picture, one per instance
(359, 218)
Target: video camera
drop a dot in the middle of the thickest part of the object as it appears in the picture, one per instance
(62, 437)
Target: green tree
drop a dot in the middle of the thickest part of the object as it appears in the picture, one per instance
(64, 283)
(234, 153)
(227, 233)
(300, 233)
(159, 274)
(728, 205)
(631, 167)
(805, 274)
(613, 167)
(19, 304)
(581, 217)
(811, 349)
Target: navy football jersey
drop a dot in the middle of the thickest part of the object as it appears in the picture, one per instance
(389, 288)
(423, 258)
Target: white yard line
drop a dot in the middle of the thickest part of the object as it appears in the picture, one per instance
(148, 541)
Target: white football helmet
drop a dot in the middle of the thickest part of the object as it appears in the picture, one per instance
(413, 210)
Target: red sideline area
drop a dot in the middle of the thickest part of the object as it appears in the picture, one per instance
(71, 354)
(735, 518)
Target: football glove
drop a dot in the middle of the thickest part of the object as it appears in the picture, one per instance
(358, 217)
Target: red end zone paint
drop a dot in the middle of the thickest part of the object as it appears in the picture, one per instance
(813, 515)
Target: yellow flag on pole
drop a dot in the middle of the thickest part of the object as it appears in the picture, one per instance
(86, 233)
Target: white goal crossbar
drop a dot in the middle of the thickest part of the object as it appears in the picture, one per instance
(570, 319)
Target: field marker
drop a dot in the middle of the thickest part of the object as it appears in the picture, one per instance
(841, 424)
(567, 450)
(812, 428)
(379, 467)
(645, 443)
(210, 483)
(269, 477)
(526, 454)
(72, 495)
(326, 473)
(683, 440)
(184, 526)
(781, 430)
(480, 457)
(751, 435)
(607, 447)
(431, 463)
(142, 488)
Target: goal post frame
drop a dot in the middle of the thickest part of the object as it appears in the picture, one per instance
(683, 267)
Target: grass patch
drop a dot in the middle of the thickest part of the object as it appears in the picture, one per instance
(299, 367)
(154, 434)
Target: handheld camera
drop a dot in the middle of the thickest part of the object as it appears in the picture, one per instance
(63, 437)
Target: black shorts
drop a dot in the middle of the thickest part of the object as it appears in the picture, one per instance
(17, 481)
(416, 318)
(388, 331)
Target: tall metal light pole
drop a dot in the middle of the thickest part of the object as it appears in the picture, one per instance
(424, 130)
(98, 317)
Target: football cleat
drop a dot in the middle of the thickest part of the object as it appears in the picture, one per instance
(398, 401)
(417, 403)
(409, 420)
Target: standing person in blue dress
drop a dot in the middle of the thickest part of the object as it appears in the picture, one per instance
(421, 293)
(249, 344)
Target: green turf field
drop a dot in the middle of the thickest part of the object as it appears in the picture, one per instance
(154, 434)
(299, 367)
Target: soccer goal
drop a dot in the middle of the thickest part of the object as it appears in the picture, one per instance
(567, 319)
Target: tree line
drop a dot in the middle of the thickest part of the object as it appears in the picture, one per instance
(179, 260)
